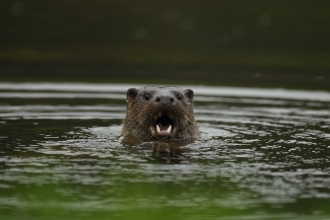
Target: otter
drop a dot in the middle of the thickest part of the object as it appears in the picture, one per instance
(160, 112)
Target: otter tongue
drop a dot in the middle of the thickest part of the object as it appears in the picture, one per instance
(162, 129)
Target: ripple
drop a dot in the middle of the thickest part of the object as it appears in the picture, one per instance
(261, 150)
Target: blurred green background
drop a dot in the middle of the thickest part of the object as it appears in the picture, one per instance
(282, 43)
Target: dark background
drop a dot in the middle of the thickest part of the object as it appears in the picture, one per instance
(225, 42)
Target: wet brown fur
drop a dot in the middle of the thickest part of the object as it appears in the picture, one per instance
(141, 115)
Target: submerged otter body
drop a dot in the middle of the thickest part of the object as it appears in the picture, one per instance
(160, 112)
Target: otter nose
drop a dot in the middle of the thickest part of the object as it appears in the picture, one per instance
(164, 99)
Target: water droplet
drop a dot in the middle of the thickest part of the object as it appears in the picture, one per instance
(17, 8)
(257, 75)
(226, 39)
(186, 25)
(264, 20)
(319, 77)
(238, 33)
(140, 33)
(170, 16)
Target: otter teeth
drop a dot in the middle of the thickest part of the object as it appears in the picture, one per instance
(168, 130)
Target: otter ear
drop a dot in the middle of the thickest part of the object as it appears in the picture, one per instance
(190, 94)
(132, 93)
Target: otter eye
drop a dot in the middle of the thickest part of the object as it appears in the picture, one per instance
(147, 97)
(179, 97)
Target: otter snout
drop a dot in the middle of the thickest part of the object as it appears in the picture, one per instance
(164, 99)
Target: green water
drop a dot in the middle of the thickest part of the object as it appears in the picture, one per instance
(263, 154)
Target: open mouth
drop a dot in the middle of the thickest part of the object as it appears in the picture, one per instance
(164, 125)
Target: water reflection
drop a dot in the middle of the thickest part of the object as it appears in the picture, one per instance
(262, 151)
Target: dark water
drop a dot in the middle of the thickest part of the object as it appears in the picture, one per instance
(264, 154)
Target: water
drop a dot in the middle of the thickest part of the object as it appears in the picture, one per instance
(263, 154)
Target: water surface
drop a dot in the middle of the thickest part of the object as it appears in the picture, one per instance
(263, 154)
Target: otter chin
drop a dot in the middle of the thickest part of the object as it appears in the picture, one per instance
(160, 112)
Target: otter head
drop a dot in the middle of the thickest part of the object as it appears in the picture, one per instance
(160, 112)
